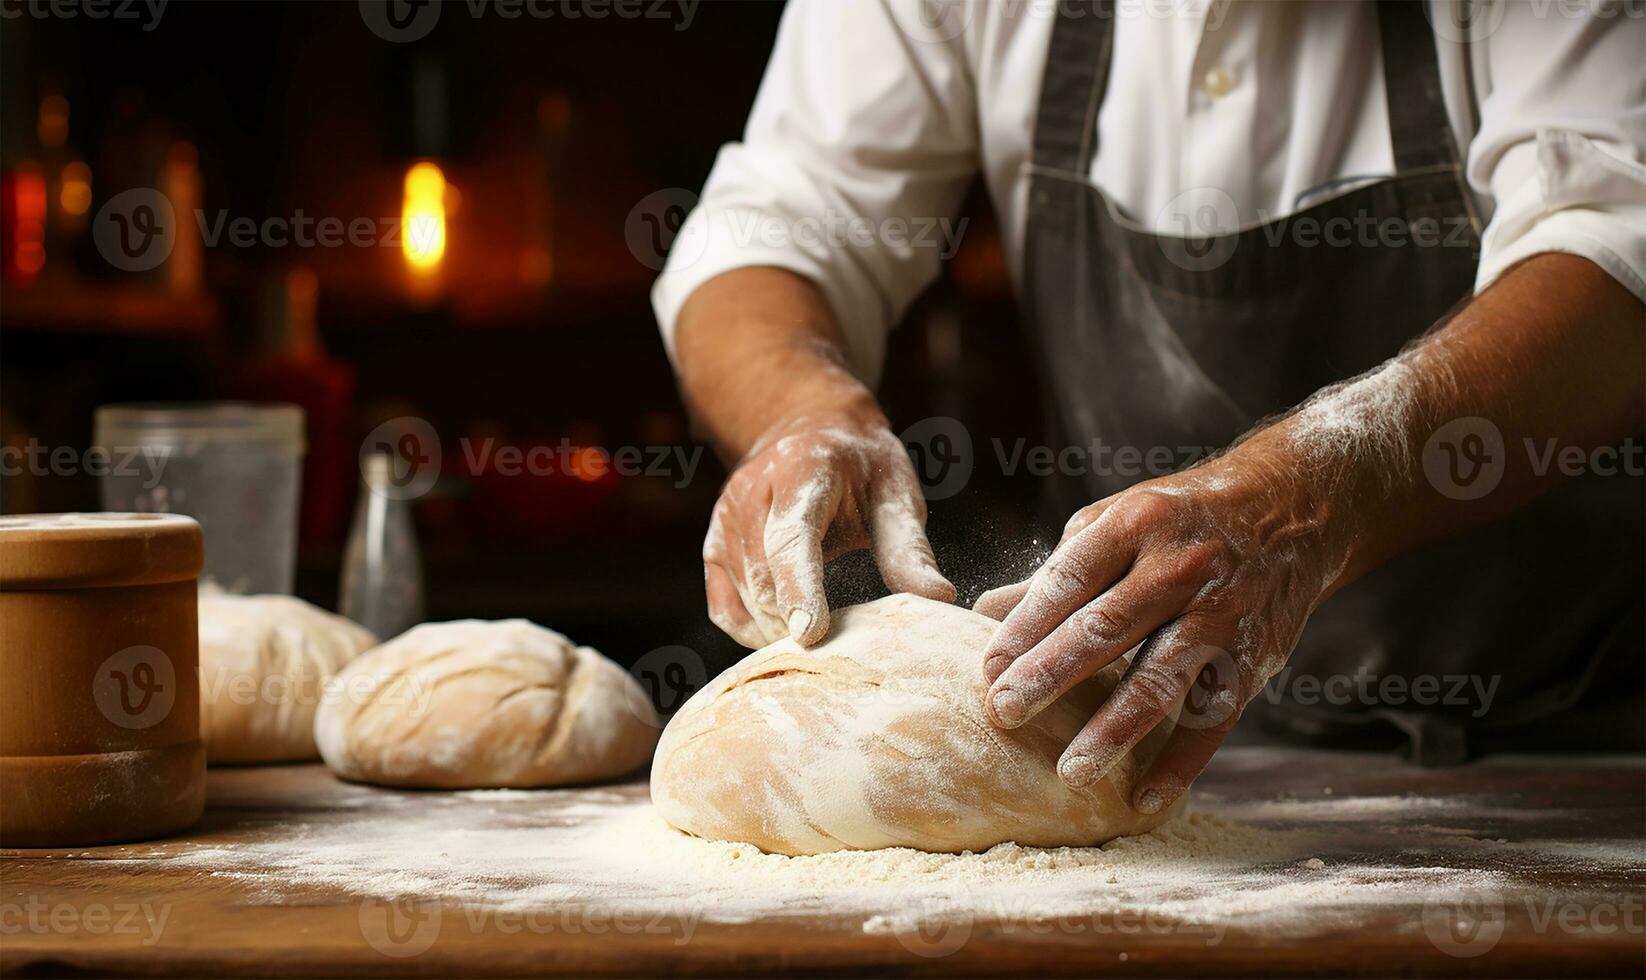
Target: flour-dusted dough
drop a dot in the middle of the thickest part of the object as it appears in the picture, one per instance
(264, 664)
(481, 704)
(876, 737)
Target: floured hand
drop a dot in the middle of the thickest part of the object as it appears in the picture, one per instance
(812, 489)
(1210, 574)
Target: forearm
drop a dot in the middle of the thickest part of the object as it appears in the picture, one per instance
(756, 347)
(1554, 354)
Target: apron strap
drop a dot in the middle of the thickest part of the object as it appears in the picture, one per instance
(1077, 79)
(1072, 90)
(1419, 129)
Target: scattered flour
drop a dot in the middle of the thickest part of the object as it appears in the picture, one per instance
(1200, 872)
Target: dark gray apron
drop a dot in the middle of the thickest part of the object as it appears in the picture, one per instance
(1157, 341)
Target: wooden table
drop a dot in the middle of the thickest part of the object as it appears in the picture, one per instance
(1564, 837)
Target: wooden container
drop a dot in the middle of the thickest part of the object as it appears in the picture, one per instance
(99, 678)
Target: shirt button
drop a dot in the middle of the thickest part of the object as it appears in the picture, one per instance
(1218, 82)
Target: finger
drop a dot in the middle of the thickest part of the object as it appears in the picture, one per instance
(726, 608)
(793, 542)
(900, 545)
(997, 603)
(1076, 573)
(1155, 683)
(1083, 518)
(1180, 763)
(1153, 593)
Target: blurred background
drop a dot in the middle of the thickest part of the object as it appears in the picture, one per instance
(546, 161)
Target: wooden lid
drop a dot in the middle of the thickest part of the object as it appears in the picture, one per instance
(79, 551)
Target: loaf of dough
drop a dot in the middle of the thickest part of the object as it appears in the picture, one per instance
(474, 704)
(264, 664)
(877, 737)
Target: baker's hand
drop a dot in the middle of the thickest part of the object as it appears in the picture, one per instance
(1213, 571)
(811, 490)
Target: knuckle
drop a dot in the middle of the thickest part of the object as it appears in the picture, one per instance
(1036, 679)
(1193, 565)
(1066, 575)
(786, 543)
(1155, 687)
(1081, 519)
(1102, 625)
(1147, 508)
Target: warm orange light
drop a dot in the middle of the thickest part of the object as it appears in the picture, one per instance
(589, 464)
(423, 217)
(53, 128)
(74, 192)
(29, 222)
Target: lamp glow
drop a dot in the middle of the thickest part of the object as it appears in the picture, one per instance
(423, 217)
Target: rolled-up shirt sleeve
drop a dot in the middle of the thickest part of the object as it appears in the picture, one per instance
(856, 156)
(1561, 148)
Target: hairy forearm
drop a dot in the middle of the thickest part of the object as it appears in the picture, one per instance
(757, 347)
(1554, 354)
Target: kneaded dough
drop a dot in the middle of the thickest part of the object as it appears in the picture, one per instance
(473, 704)
(877, 737)
(264, 664)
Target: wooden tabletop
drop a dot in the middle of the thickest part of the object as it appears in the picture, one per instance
(1560, 842)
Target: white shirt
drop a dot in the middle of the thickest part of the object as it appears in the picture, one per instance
(875, 115)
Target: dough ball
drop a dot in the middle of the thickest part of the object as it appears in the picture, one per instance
(876, 737)
(482, 704)
(264, 664)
